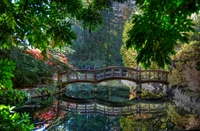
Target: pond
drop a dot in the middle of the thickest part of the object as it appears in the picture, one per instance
(109, 106)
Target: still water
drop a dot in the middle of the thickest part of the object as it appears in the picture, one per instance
(107, 107)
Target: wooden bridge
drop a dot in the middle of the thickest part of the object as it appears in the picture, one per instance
(114, 73)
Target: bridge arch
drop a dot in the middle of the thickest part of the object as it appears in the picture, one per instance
(114, 73)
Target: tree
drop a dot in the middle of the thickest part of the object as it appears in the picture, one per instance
(129, 54)
(158, 27)
(102, 47)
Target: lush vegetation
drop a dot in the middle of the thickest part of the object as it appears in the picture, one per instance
(6, 68)
(14, 121)
(36, 37)
(187, 70)
(156, 29)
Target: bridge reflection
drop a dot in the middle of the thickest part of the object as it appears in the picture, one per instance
(97, 106)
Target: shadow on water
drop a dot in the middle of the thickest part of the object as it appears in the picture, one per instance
(110, 106)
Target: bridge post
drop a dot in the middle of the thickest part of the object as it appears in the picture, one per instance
(139, 88)
(95, 82)
(139, 73)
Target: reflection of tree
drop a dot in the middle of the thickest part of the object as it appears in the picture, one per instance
(155, 120)
(113, 91)
(142, 123)
(89, 122)
(183, 120)
(82, 91)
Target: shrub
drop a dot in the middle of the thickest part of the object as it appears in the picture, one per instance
(14, 121)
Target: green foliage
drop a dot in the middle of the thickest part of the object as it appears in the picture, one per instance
(46, 23)
(150, 95)
(187, 67)
(6, 73)
(14, 121)
(176, 78)
(13, 97)
(128, 55)
(100, 48)
(29, 70)
(158, 28)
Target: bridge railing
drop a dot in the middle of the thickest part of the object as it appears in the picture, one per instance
(157, 75)
(115, 72)
(113, 110)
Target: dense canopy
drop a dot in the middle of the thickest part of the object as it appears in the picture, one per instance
(158, 25)
(45, 23)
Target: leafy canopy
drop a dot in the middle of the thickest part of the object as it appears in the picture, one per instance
(47, 23)
(158, 27)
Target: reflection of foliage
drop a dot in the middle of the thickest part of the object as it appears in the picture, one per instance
(143, 123)
(49, 114)
(177, 117)
(82, 91)
(91, 122)
(130, 123)
(113, 91)
(42, 100)
(13, 97)
(150, 95)
(15, 121)
(45, 91)
(58, 123)
(6, 68)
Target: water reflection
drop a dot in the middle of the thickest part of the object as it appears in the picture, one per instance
(108, 108)
(111, 109)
